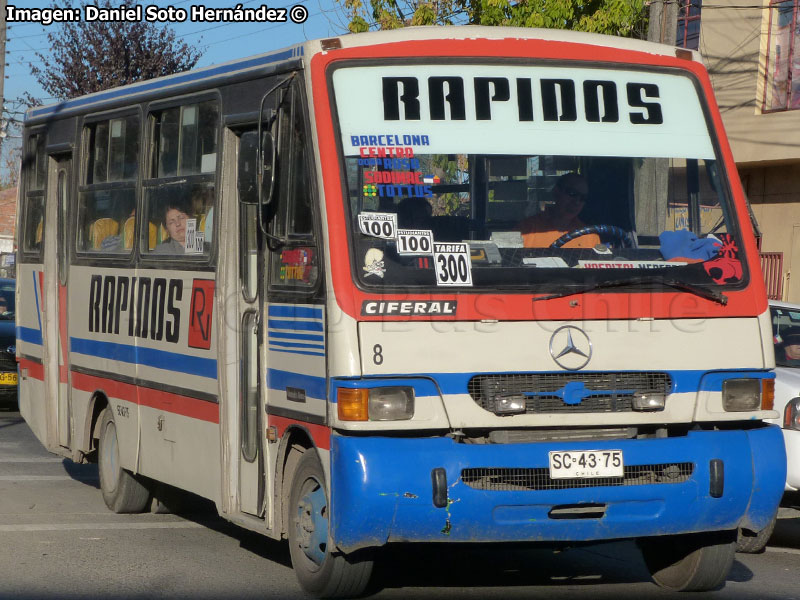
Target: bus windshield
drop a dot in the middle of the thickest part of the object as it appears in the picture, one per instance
(532, 178)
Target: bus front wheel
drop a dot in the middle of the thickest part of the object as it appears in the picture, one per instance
(694, 562)
(321, 570)
(122, 492)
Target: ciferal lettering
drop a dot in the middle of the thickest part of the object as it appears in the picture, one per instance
(435, 307)
(556, 99)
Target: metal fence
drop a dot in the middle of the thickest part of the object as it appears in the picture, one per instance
(772, 268)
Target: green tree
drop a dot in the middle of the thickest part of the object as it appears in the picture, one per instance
(86, 57)
(627, 18)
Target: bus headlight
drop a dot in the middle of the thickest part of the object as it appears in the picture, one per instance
(391, 403)
(791, 414)
(740, 395)
(375, 404)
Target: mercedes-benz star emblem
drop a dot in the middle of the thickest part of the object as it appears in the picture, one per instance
(570, 347)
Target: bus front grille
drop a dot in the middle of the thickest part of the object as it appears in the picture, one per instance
(543, 393)
(513, 480)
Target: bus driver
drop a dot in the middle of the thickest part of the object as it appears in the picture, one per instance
(569, 195)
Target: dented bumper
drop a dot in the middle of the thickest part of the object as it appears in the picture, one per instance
(382, 490)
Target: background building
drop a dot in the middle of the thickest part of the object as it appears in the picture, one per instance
(752, 51)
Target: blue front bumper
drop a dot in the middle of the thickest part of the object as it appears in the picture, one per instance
(382, 490)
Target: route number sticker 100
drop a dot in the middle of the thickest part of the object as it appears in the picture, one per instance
(415, 241)
(379, 225)
(453, 266)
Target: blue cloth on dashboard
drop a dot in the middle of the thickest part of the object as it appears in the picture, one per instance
(685, 244)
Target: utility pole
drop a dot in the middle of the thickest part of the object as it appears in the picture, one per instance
(663, 26)
(652, 178)
(4, 125)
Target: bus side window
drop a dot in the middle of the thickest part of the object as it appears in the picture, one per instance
(180, 194)
(107, 198)
(33, 211)
(295, 265)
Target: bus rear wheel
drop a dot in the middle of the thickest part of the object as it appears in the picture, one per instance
(696, 562)
(321, 570)
(122, 492)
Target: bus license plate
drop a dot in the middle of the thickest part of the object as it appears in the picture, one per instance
(585, 464)
(8, 379)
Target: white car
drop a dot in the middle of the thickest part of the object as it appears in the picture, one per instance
(787, 389)
(785, 323)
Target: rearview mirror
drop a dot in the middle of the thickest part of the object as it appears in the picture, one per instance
(247, 182)
(268, 167)
(248, 168)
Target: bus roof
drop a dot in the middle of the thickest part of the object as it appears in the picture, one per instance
(268, 62)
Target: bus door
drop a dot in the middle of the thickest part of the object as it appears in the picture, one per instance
(251, 271)
(56, 260)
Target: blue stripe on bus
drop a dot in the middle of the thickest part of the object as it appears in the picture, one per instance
(295, 325)
(297, 352)
(36, 295)
(161, 359)
(297, 312)
(30, 335)
(296, 345)
(182, 79)
(310, 337)
(280, 380)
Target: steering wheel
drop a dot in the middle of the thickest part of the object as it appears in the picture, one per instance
(615, 232)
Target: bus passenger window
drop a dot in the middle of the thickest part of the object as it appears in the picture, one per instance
(35, 169)
(180, 212)
(107, 198)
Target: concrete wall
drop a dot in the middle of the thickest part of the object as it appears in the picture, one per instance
(8, 216)
(774, 192)
(734, 50)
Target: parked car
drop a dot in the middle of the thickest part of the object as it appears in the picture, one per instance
(785, 331)
(8, 344)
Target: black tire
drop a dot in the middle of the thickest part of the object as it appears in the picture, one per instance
(697, 562)
(122, 492)
(753, 542)
(320, 570)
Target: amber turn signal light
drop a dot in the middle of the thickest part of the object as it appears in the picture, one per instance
(767, 394)
(352, 404)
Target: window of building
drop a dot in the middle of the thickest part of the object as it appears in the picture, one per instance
(35, 168)
(782, 71)
(180, 194)
(107, 198)
(688, 35)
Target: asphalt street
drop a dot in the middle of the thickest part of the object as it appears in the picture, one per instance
(58, 540)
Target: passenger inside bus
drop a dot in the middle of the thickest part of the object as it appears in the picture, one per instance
(414, 213)
(569, 198)
(175, 217)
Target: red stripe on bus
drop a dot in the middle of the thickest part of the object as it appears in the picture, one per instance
(166, 401)
(35, 369)
(320, 434)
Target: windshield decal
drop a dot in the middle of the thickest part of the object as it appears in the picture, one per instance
(379, 225)
(628, 264)
(453, 265)
(374, 263)
(414, 242)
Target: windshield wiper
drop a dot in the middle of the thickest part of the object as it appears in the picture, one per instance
(683, 286)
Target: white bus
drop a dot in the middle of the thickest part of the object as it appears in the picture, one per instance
(325, 287)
